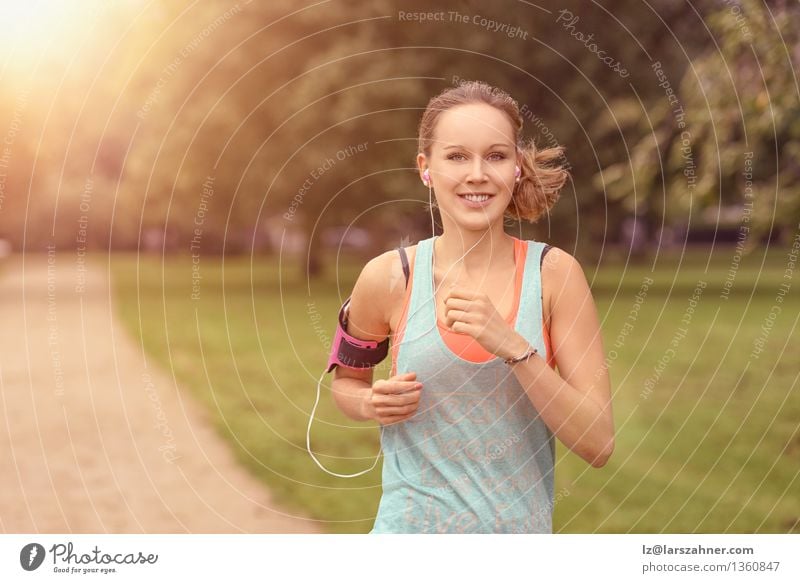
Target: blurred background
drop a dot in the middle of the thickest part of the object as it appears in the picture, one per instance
(211, 177)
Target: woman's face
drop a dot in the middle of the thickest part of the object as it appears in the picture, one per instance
(473, 153)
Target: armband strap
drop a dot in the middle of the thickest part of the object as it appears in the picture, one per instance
(352, 352)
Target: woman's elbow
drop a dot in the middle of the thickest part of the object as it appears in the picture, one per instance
(601, 458)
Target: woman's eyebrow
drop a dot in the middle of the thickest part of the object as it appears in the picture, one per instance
(489, 148)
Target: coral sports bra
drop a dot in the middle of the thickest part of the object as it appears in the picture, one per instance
(463, 345)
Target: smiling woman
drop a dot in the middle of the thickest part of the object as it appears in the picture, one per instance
(469, 428)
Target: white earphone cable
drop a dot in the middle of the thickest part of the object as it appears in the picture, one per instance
(319, 383)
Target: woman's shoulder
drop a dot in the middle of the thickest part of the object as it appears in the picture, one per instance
(552, 258)
(394, 268)
(383, 278)
(561, 273)
(558, 270)
(559, 266)
(388, 263)
(559, 261)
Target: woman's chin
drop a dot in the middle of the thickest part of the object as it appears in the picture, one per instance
(471, 219)
(476, 223)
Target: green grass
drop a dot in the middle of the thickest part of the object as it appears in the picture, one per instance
(712, 447)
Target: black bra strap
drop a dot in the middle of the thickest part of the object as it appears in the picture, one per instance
(544, 252)
(404, 260)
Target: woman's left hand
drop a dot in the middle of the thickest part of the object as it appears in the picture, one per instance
(472, 313)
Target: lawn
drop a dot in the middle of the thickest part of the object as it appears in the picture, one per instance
(707, 430)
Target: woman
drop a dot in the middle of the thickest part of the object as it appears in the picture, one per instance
(473, 403)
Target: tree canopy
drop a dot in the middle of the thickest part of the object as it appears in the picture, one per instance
(233, 119)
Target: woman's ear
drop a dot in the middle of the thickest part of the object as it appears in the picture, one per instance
(422, 165)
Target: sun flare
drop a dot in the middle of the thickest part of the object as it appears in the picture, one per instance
(29, 28)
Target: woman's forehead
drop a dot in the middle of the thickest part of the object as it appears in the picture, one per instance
(475, 124)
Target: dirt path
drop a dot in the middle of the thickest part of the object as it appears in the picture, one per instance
(91, 439)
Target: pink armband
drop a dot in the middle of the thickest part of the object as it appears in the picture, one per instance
(351, 352)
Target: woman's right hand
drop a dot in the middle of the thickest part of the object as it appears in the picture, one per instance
(395, 399)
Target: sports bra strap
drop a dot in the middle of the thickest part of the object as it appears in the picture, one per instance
(404, 259)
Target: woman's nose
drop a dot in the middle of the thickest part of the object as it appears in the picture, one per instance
(477, 171)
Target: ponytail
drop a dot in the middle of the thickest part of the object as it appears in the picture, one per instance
(542, 177)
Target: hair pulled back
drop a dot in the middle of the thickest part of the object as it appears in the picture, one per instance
(543, 173)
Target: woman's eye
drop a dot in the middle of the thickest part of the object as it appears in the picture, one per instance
(492, 156)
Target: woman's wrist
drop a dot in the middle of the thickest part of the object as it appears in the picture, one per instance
(514, 347)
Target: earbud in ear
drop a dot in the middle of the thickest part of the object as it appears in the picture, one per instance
(426, 177)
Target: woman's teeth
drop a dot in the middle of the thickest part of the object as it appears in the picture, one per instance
(476, 198)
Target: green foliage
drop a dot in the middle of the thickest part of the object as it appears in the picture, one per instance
(734, 120)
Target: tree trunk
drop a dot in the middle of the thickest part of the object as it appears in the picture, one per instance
(313, 259)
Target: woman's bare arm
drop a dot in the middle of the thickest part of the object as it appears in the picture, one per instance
(575, 403)
(357, 396)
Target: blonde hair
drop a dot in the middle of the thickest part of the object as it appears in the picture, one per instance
(542, 172)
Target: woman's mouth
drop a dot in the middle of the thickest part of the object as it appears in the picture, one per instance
(476, 200)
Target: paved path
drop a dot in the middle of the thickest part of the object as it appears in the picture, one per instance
(95, 439)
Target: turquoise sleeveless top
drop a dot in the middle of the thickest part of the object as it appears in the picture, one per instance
(476, 457)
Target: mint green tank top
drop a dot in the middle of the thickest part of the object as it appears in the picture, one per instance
(476, 457)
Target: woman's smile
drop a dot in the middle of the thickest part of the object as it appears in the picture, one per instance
(476, 200)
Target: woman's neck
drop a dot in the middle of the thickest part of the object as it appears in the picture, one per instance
(476, 250)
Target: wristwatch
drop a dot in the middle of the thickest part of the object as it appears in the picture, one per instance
(530, 352)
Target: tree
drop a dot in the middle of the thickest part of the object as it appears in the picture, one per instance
(730, 134)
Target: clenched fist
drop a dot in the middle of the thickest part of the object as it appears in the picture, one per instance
(395, 399)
